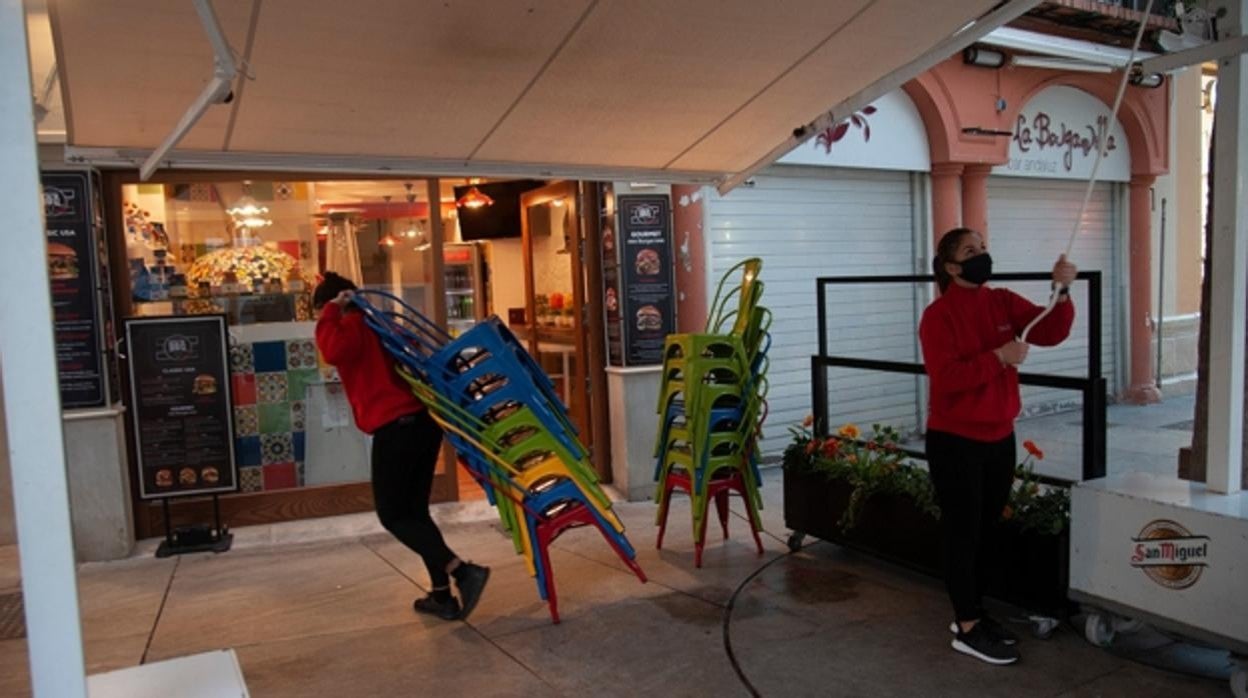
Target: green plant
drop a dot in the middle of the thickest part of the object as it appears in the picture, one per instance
(872, 465)
(878, 465)
(1033, 506)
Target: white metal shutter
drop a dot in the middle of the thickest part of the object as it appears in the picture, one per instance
(1029, 222)
(810, 222)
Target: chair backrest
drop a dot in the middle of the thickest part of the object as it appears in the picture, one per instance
(745, 292)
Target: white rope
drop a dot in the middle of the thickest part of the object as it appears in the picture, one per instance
(1096, 165)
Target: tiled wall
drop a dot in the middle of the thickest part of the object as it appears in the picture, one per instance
(270, 382)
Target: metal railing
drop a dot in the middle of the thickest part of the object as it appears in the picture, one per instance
(1093, 387)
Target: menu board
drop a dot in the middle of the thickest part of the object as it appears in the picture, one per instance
(649, 303)
(74, 274)
(180, 397)
(611, 278)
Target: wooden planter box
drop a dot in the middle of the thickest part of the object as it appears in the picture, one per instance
(1032, 569)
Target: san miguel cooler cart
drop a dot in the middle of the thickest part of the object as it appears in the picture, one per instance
(1157, 549)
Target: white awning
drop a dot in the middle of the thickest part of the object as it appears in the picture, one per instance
(691, 90)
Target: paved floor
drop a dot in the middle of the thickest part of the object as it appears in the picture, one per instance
(322, 608)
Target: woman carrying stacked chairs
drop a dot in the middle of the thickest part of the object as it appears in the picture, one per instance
(506, 422)
(712, 403)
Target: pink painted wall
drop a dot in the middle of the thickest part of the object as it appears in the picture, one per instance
(689, 252)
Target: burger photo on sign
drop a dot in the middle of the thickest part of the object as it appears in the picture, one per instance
(62, 261)
(649, 319)
(647, 263)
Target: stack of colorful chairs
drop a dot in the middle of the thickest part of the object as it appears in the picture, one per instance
(506, 422)
(712, 403)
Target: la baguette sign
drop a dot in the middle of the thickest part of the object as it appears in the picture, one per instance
(1057, 135)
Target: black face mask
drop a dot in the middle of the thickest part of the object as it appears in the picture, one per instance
(977, 269)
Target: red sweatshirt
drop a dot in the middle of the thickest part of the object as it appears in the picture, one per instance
(972, 394)
(378, 395)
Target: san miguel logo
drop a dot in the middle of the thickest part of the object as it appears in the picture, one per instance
(1169, 554)
(1042, 135)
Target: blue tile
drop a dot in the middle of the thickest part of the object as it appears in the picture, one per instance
(269, 356)
(247, 450)
(300, 441)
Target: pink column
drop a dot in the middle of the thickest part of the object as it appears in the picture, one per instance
(946, 198)
(975, 198)
(689, 257)
(1143, 388)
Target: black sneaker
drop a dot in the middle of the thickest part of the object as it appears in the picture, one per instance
(446, 610)
(470, 579)
(1002, 633)
(982, 645)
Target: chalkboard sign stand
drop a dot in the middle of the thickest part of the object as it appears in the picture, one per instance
(199, 538)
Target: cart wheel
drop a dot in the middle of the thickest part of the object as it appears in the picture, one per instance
(795, 541)
(1099, 630)
(1126, 626)
(1239, 680)
(1042, 627)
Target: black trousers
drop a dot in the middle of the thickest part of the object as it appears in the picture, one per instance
(405, 454)
(972, 480)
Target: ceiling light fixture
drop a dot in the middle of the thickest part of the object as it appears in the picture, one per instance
(474, 198)
(247, 213)
(983, 57)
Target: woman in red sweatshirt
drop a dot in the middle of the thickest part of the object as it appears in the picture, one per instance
(406, 443)
(971, 352)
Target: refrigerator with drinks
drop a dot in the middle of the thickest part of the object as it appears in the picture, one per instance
(466, 302)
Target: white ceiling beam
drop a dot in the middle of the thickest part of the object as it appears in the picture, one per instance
(967, 35)
(377, 165)
(1194, 56)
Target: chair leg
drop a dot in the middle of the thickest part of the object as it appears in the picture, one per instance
(699, 544)
(752, 515)
(721, 506)
(543, 544)
(664, 504)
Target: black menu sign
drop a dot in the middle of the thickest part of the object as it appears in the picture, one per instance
(74, 274)
(649, 308)
(183, 415)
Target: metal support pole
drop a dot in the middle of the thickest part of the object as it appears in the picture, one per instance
(28, 362)
(1229, 264)
(819, 395)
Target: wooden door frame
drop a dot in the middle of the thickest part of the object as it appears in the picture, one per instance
(596, 355)
(568, 191)
(247, 508)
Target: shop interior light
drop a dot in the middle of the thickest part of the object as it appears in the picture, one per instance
(247, 213)
(983, 57)
(1060, 64)
(1152, 80)
(474, 198)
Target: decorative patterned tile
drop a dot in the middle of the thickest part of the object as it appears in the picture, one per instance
(299, 441)
(269, 356)
(297, 381)
(274, 417)
(271, 387)
(242, 360)
(276, 448)
(244, 389)
(300, 354)
(280, 476)
(246, 421)
(247, 450)
(251, 479)
(298, 415)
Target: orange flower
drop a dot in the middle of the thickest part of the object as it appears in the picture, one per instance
(810, 419)
(1007, 513)
(852, 458)
(811, 446)
(1033, 449)
(849, 431)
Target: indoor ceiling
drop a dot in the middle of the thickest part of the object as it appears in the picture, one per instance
(696, 89)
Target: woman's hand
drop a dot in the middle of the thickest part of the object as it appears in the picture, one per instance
(1064, 272)
(343, 298)
(1012, 353)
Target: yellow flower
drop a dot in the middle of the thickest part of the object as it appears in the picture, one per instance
(810, 419)
(849, 431)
